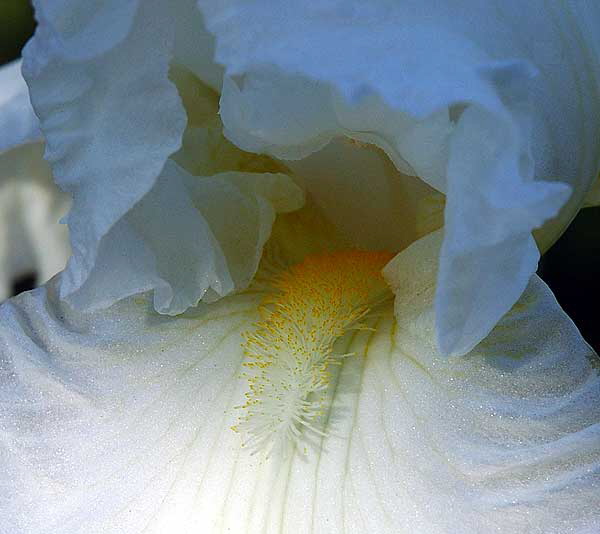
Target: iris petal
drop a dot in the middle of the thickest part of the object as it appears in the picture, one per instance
(33, 246)
(18, 123)
(421, 80)
(119, 420)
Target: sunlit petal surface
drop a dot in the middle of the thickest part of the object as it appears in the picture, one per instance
(119, 421)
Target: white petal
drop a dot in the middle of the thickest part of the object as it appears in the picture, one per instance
(93, 101)
(111, 116)
(187, 236)
(386, 73)
(488, 255)
(119, 421)
(18, 123)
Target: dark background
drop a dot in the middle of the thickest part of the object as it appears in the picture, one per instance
(571, 268)
(16, 25)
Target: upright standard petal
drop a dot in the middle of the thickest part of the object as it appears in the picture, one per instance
(463, 94)
(119, 421)
(111, 117)
(114, 107)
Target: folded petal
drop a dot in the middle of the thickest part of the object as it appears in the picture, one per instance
(189, 238)
(92, 89)
(119, 421)
(99, 82)
(114, 106)
(465, 96)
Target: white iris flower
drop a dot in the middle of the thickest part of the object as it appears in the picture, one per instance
(302, 295)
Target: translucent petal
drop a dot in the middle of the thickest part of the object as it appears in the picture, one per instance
(114, 107)
(190, 237)
(371, 203)
(119, 421)
(421, 80)
(18, 123)
(103, 144)
(32, 242)
(111, 116)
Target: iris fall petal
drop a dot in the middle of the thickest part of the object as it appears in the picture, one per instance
(119, 420)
